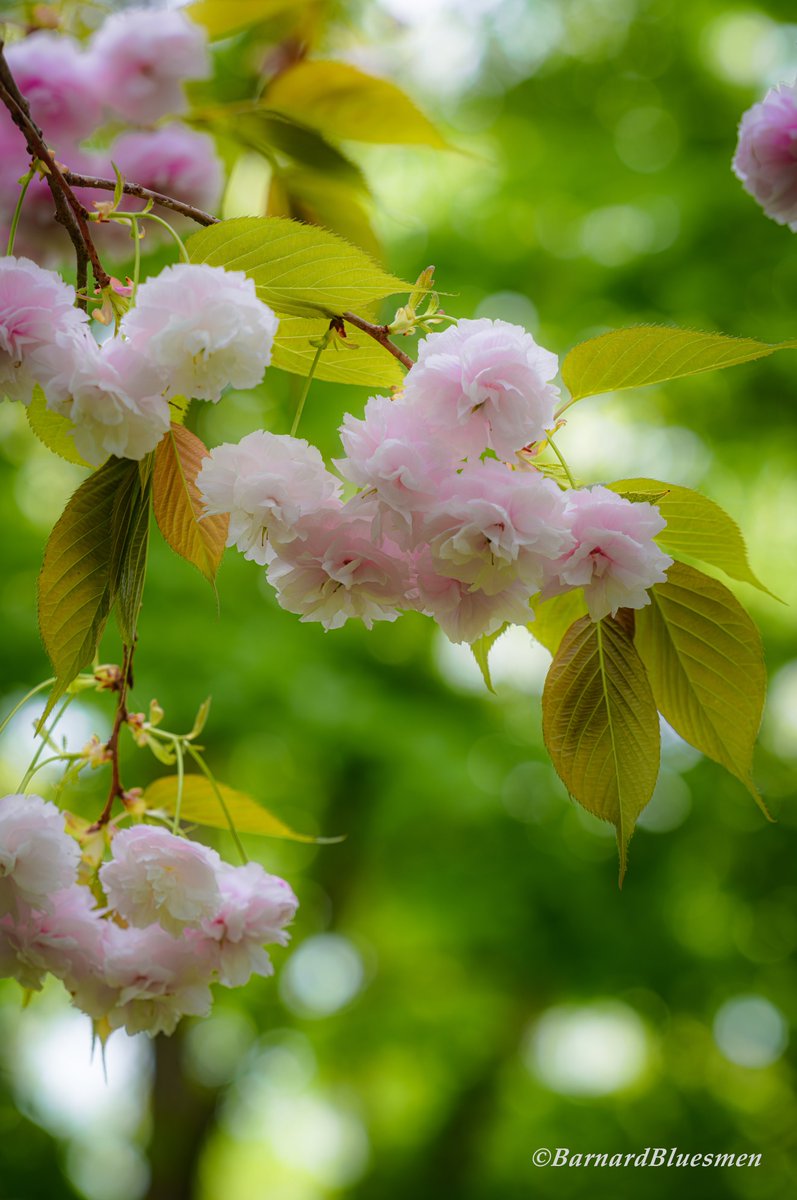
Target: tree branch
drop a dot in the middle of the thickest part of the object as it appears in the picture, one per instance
(112, 745)
(135, 189)
(69, 211)
(381, 334)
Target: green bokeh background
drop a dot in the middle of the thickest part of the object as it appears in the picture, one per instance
(481, 967)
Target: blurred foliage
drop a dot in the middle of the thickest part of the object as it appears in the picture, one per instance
(412, 1043)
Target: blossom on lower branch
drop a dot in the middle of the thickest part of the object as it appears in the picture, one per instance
(177, 920)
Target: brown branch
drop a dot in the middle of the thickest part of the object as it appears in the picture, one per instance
(69, 211)
(381, 334)
(135, 189)
(116, 791)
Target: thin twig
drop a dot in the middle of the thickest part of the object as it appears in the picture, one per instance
(135, 189)
(112, 745)
(69, 211)
(381, 334)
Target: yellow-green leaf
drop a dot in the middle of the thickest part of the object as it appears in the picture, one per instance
(366, 364)
(223, 17)
(481, 652)
(706, 667)
(343, 101)
(553, 618)
(79, 573)
(178, 503)
(130, 525)
(201, 805)
(645, 354)
(696, 527)
(600, 723)
(298, 269)
(53, 429)
(333, 203)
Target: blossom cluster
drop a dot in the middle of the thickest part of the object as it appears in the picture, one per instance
(133, 70)
(175, 918)
(193, 331)
(450, 519)
(766, 154)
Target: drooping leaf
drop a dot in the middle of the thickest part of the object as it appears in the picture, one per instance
(344, 102)
(553, 618)
(178, 504)
(481, 652)
(365, 364)
(706, 667)
(131, 521)
(313, 197)
(53, 429)
(223, 17)
(645, 354)
(201, 805)
(77, 579)
(696, 527)
(299, 270)
(600, 723)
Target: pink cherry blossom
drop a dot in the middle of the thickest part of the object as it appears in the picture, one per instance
(157, 979)
(255, 907)
(393, 450)
(336, 570)
(68, 941)
(175, 160)
(155, 876)
(115, 401)
(615, 559)
(141, 58)
(37, 857)
(766, 155)
(492, 526)
(484, 384)
(267, 483)
(38, 327)
(55, 77)
(204, 328)
(465, 613)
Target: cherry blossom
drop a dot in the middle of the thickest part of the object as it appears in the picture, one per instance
(255, 907)
(157, 979)
(766, 155)
(155, 876)
(37, 856)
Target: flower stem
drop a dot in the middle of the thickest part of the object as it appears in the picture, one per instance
(46, 740)
(40, 687)
(561, 458)
(24, 184)
(305, 390)
(206, 771)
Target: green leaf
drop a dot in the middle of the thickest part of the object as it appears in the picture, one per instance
(706, 667)
(367, 365)
(344, 102)
(626, 358)
(131, 522)
(316, 198)
(481, 652)
(79, 573)
(178, 503)
(53, 429)
(200, 804)
(298, 269)
(696, 527)
(223, 17)
(553, 618)
(600, 723)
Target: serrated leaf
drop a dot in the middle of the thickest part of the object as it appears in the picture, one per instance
(223, 17)
(706, 666)
(178, 503)
(481, 652)
(200, 805)
(646, 354)
(299, 270)
(600, 723)
(53, 429)
(345, 102)
(77, 579)
(553, 618)
(696, 526)
(368, 365)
